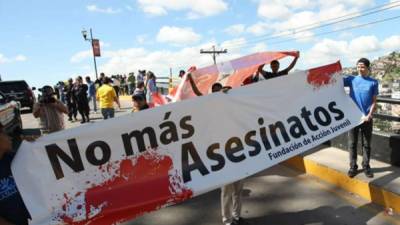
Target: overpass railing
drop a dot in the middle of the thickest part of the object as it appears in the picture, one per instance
(385, 143)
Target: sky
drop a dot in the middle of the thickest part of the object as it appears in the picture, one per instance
(41, 40)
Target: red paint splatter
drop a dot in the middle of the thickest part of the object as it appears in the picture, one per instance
(322, 76)
(143, 184)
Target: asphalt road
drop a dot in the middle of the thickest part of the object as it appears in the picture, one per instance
(278, 196)
(31, 125)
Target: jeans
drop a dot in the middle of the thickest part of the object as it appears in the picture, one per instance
(107, 113)
(366, 134)
(93, 98)
(62, 98)
(131, 88)
(72, 110)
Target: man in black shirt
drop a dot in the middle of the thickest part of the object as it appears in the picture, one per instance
(71, 100)
(275, 69)
(100, 81)
(80, 93)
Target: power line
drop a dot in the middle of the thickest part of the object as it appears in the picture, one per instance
(380, 9)
(330, 32)
(291, 31)
(298, 30)
(339, 30)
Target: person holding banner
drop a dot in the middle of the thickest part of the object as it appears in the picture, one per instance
(231, 198)
(12, 208)
(231, 203)
(216, 87)
(363, 91)
(275, 69)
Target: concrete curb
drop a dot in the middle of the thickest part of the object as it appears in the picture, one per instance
(374, 190)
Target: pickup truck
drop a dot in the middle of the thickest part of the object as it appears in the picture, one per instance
(19, 91)
(10, 115)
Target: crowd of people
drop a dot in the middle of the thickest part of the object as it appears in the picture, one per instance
(81, 97)
(78, 96)
(75, 96)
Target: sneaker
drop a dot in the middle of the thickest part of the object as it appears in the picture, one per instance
(239, 221)
(69, 119)
(352, 172)
(368, 172)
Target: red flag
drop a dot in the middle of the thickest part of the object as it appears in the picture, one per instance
(321, 76)
(159, 99)
(96, 47)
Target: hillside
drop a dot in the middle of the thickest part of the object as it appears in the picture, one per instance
(386, 68)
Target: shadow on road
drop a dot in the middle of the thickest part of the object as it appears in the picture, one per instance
(324, 215)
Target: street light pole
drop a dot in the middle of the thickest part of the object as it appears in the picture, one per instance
(84, 34)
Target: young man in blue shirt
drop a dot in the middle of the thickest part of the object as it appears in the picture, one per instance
(91, 92)
(363, 91)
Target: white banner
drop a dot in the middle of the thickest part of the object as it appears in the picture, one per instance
(114, 170)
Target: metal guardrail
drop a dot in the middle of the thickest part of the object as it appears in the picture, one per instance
(163, 80)
(385, 116)
(385, 143)
(388, 100)
(163, 85)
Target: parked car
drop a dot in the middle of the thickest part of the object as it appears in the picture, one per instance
(10, 114)
(20, 91)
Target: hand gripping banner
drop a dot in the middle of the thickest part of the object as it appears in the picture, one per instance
(115, 170)
(230, 73)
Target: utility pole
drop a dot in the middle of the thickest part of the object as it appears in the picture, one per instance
(214, 53)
